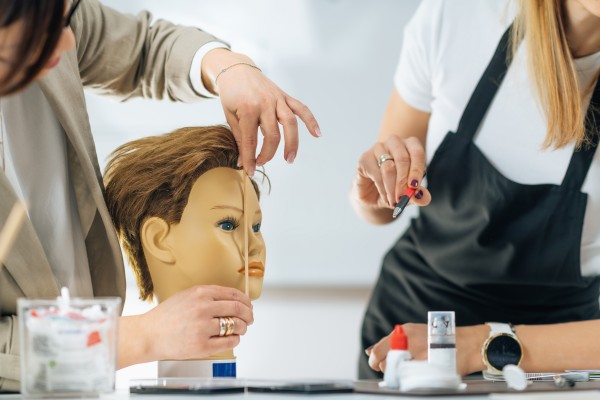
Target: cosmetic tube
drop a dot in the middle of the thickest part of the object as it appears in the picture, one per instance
(397, 354)
(442, 339)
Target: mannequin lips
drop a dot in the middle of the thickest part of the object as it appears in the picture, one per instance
(255, 269)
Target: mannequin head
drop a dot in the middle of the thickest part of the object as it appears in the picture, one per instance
(177, 203)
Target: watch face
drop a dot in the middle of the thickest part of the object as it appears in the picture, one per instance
(503, 350)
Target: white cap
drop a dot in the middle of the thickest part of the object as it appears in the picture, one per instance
(441, 323)
(515, 377)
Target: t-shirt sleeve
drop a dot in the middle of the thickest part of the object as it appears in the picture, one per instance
(414, 75)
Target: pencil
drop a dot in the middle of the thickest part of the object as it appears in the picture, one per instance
(246, 195)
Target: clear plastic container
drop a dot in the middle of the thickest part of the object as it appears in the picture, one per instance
(68, 348)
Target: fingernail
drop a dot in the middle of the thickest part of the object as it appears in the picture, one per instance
(260, 163)
(368, 350)
(291, 157)
(318, 131)
(419, 195)
(239, 163)
(414, 183)
(251, 172)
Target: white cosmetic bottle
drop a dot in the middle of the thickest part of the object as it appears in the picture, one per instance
(397, 354)
(442, 339)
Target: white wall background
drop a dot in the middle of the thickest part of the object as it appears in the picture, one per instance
(338, 57)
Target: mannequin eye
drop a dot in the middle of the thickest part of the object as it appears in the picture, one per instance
(256, 228)
(228, 224)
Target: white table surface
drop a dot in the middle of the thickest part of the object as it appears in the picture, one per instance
(124, 395)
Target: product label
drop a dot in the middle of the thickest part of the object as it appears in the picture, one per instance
(444, 357)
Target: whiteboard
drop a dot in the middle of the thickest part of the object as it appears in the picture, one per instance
(336, 56)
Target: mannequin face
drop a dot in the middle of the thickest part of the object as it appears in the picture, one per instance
(207, 246)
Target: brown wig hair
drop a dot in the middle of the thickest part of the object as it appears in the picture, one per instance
(153, 177)
(42, 26)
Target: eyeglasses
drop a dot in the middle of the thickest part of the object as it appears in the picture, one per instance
(71, 12)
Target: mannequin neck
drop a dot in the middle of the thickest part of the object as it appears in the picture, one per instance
(225, 355)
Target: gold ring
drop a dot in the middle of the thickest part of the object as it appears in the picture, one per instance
(230, 326)
(223, 325)
(383, 158)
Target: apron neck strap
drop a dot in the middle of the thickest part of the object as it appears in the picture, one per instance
(582, 158)
(486, 89)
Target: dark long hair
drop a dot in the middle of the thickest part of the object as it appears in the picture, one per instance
(42, 22)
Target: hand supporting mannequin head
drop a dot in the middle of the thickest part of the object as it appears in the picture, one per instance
(177, 203)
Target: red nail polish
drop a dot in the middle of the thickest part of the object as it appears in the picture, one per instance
(414, 183)
(419, 195)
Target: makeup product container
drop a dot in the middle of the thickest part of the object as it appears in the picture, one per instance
(68, 346)
(442, 339)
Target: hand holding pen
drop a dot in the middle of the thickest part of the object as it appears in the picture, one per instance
(406, 197)
(390, 174)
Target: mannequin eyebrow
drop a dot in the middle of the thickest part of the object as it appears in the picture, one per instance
(232, 208)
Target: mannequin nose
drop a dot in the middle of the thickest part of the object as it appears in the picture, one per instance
(256, 243)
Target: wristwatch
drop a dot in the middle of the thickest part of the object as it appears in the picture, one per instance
(501, 348)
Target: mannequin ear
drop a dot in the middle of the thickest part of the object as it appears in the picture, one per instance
(154, 234)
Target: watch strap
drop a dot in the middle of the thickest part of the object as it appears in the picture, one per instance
(500, 327)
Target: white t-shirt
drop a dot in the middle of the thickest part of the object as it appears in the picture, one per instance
(447, 46)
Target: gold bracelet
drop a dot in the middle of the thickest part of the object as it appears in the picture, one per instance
(233, 65)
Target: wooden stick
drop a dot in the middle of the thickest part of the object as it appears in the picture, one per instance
(246, 195)
(11, 230)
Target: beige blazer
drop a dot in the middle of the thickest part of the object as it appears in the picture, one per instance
(116, 54)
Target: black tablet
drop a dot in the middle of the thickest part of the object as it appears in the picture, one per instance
(304, 388)
(185, 386)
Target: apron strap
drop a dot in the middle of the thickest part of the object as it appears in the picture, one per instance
(582, 158)
(486, 89)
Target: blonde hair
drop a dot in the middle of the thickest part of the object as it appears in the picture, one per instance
(541, 23)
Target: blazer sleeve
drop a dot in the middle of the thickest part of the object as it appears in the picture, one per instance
(9, 354)
(129, 56)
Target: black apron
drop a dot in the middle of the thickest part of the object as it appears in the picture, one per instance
(486, 247)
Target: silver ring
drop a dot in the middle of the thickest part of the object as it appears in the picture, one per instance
(383, 158)
(223, 325)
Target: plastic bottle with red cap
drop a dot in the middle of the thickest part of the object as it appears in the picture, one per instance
(397, 354)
